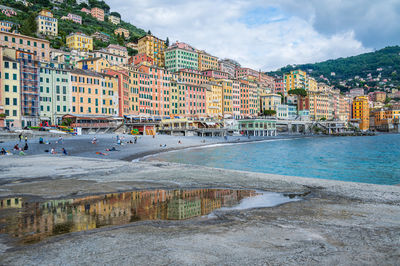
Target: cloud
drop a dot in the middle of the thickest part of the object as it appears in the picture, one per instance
(266, 34)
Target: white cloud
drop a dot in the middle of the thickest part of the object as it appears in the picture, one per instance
(220, 28)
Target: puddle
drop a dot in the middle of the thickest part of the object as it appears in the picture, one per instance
(30, 221)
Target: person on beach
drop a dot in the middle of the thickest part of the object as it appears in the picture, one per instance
(94, 140)
(26, 139)
(135, 140)
(26, 146)
(52, 151)
(3, 151)
(60, 139)
(20, 137)
(64, 151)
(179, 142)
(16, 147)
(41, 140)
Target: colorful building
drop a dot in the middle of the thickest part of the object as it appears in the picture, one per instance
(361, 111)
(279, 86)
(114, 19)
(79, 41)
(249, 103)
(180, 56)
(113, 59)
(7, 25)
(236, 98)
(97, 13)
(215, 74)
(38, 47)
(270, 101)
(55, 92)
(123, 32)
(95, 64)
(266, 82)
(227, 98)
(2, 115)
(124, 103)
(141, 58)
(207, 61)
(214, 99)
(229, 66)
(153, 47)
(101, 36)
(93, 93)
(46, 23)
(296, 79)
(73, 17)
(10, 94)
(246, 74)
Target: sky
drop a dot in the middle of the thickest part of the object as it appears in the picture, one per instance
(269, 34)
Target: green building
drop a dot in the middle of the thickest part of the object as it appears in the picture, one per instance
(181, 55)
(55, 92)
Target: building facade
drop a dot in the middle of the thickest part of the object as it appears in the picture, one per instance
(114, 19)
(207, 61)
(79, 41)
(122, 32)
(361, 111)
(38, 47)
(180, 56)
(46, 23)
(97, 13)
(153, 47)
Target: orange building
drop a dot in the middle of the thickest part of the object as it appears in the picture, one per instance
(361, 111)
(249, 106)
(38, 47)
(97, 13)
(89, 89)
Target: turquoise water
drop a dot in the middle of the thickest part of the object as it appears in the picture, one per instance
(373, 159)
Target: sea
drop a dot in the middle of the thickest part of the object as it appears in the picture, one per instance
(366, 159)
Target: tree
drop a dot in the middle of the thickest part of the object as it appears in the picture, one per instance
(149, 32)
(29, 25)
(131, 52)
(121, 39)
(269, 112)
(298, 92)
(167, 42)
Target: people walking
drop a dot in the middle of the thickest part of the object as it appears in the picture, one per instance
(20, 137)
(26, 139)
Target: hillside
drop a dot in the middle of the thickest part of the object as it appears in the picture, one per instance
(383, 65)
(89, 24)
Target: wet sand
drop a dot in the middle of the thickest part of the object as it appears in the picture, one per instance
(337, 222)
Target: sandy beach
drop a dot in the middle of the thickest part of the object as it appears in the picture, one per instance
(334, 223)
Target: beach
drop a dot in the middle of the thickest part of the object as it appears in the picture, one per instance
(335, 222)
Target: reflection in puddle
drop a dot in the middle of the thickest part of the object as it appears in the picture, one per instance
(31, 221)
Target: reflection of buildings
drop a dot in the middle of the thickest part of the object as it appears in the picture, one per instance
(35, 221)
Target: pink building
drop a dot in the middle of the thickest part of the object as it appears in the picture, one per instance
(215, 74)
(75, 18)
(85, 10)
(236, 98)
(97, 13)
(195, 100)
(267, 82)
(245, 72)
(158, 90)
(141, 58)
(279, 85)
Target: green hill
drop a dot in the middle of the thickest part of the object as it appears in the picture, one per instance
(89, 24)
(384, 62)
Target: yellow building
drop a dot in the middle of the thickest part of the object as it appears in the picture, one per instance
(227, 95)
(319, 105)
(10, 91)
(79, 41)
(361, 111)
(177, 97)
(213, 99)
(123, 32)
(89, 89)
(154, 48)
(46, 23)
(270, 101)
(207, 61)
(114, 20)
(296, 79)
(97, 64)
(312, 84)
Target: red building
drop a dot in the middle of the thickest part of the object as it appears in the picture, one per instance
(279, 86)
(215, 74)
(141, 58)
(123, 91)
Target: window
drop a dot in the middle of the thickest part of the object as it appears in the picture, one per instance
(6, 76)
(6, 88)
(14, 76)
(15, 102)
(14, 112)
(7, 101)
(6, 64)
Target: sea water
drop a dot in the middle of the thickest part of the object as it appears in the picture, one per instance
(367, 159)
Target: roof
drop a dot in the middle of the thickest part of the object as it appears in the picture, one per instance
(90, 59)
(7, 58)
(85, 72)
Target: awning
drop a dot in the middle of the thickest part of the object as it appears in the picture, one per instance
(44, 118)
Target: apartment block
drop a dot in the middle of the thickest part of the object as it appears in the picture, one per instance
(97, 13)
(361, 111)
(7, 25)
(296, 79)
(55, 92)
(46, 23)
(180, 56)
(207, 61)
(73, 17)
(153, 47)
(122, 32)
(229, 66)
(214, 100)
(95, 64)
(114, 19)
(79, 41)
(40, 48)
